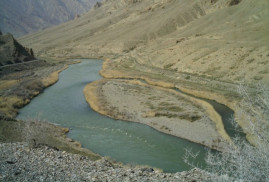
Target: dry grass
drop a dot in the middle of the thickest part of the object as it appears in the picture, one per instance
(4, 84)
(244, 161)
(53, 77)
(9, 105)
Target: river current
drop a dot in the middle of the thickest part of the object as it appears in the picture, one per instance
(126, 142)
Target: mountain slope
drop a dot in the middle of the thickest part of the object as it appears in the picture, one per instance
(20, 17)
(225, 40)
(12, 52)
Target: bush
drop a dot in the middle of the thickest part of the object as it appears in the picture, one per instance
(242, 161)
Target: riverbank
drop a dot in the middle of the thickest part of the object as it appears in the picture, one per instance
(23, 82)
(34, 160)
(224, 92)
(47, 164)
(163, 109)
(20, 84)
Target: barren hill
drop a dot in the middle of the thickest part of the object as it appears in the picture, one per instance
(12, 52)
(223, 40)
(20, 17)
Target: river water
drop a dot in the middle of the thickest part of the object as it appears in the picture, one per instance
(126, 142)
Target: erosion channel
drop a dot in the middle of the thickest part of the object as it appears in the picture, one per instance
(126, 142)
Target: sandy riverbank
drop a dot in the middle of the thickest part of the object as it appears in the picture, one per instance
(163, 109)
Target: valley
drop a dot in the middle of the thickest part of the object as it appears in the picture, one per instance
(178, 66)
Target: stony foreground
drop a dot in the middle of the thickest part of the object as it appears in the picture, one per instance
(19, 162)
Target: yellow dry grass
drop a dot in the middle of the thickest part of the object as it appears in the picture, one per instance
(214, 116)
(92, 96)
(7, 83)
(9, 104)
(53, 77)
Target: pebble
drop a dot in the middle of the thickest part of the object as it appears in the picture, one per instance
(20, 162)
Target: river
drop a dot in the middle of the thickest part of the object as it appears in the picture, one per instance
(126, 142)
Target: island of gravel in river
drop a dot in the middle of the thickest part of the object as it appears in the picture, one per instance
(163, 109)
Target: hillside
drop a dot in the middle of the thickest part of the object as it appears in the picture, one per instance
(221, 40)
(20, 17)
(12, 52)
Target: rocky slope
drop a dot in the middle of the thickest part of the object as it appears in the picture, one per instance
(47, 164)
(20, 17)
(13, 52)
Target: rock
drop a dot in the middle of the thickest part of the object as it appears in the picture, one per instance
(12, 52)
(147, 170)
(97, 5)
(11, 162)
(17, 173)
(234, 2)
(47, 164)
(77, 16)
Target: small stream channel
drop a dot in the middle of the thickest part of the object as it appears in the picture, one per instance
(227, 116)
(126, 142)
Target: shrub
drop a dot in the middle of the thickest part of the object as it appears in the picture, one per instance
(242, 161)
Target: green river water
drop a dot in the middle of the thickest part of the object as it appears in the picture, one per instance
(126, 142)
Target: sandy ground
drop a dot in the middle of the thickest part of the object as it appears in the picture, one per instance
(165, 110)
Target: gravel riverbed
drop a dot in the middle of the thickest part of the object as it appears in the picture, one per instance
(20, 162)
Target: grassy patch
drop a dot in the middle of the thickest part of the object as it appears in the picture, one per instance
(257, 77)
(8, 105)
(182, 117)
(168, 66)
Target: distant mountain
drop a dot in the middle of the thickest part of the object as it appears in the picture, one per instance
(12, 52)
(20, 17)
